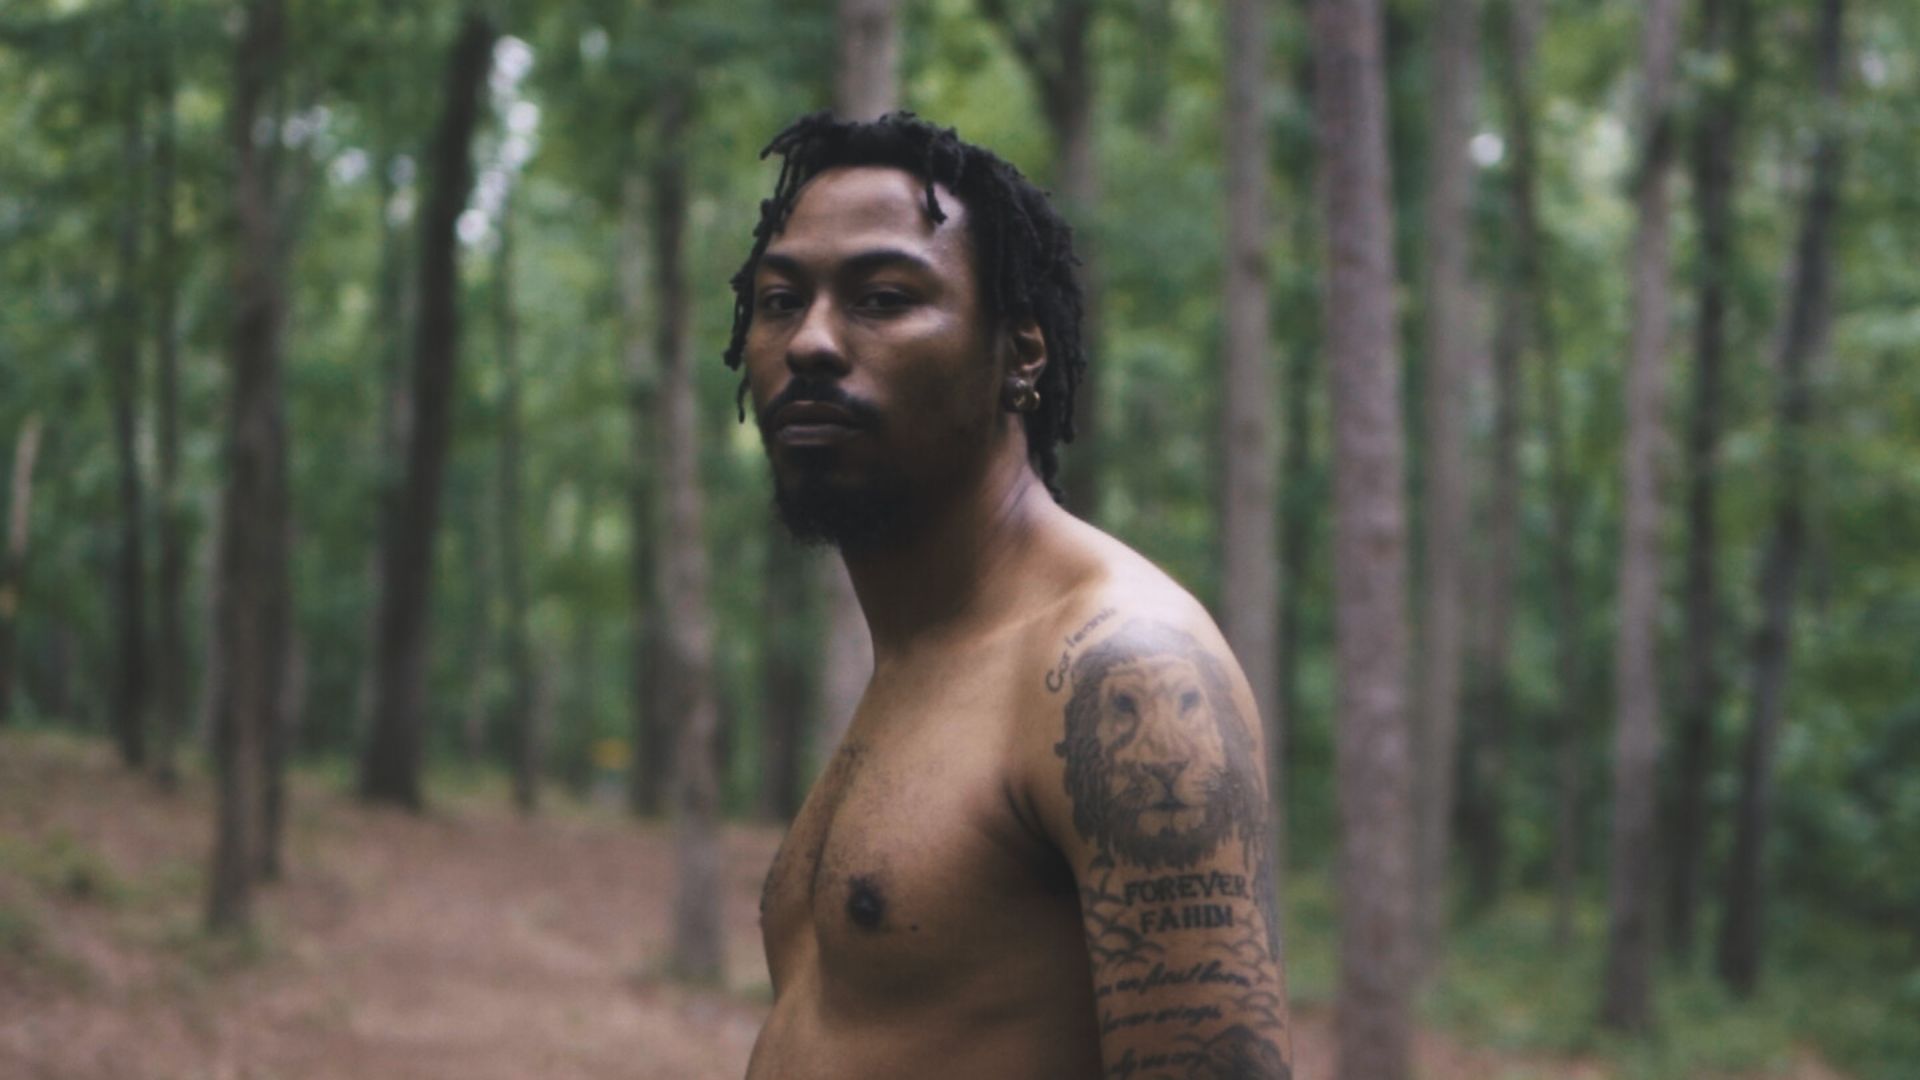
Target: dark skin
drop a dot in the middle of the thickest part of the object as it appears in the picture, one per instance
(1041, 849)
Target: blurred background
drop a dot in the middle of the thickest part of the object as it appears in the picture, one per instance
(386, 583)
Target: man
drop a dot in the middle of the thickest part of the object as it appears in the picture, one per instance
(1042, 848)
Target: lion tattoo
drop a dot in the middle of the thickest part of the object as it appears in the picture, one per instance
(1159, 764)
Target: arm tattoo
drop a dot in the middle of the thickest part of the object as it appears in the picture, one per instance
(1162, 773)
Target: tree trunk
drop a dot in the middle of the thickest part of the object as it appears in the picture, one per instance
(511, 464)
(648, 771)
(1489, 680)
(866, 80)
(1450, 362)
(1529, 277)
(1249, 552)
(1056, 49)
(1725, 33)
(253, 602)
(129, 700)
(170, 647)
(390, 769)
(698, 943)
(1809, 313)
(1627, 988)
(1374, 770)
(13, 560)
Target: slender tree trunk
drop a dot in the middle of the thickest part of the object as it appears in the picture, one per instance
(698, 941)
(1809, 313)
(1489, 685)
(1450, 361)
(511, 465)
(390, 769)
(130, 682)
(1531, 279)
(1374, 769)
(647, 777)
(13, 560)
(1250, 609)
(1628, 981)
(1714, 148)
(253, 602)
(866, 77)
(170, 648)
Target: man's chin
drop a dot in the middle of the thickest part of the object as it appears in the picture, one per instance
(816, 512)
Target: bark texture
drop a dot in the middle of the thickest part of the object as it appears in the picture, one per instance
(1725, 37)
(1627, 988)
(1450, 361)
(252, 595)
(1809, 313)
(390, 769)
(1372, 762)
(1249, 546)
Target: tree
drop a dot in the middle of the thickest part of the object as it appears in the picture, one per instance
(131, 669)
(1055, 46)
(1809, 313)
(647, 782)
(866, 81)
(1249, 552)
(1373, 768)
(1726, 35)
(390, 767)
(170, 644)
(698, 942)
(253, 598)
(510, 462)
(13, 558)
(1450, 350)
(1627, 987)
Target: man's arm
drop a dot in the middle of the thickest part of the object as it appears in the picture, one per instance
(1159, 801)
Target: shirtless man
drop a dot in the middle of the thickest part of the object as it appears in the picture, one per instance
(1042, 849)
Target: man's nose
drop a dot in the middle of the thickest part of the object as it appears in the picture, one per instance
(815, 347)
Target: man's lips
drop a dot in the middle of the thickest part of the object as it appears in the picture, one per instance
(812, 423)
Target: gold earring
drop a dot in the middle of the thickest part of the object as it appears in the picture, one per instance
(1022, 396)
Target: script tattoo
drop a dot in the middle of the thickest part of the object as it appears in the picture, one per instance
(1162, 773)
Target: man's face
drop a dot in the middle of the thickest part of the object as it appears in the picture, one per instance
(867, 358)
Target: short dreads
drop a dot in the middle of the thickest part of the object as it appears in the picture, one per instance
(1022, 249)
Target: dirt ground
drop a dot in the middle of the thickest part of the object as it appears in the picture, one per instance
(467, 944)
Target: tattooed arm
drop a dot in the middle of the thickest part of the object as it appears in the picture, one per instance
(1159, 800)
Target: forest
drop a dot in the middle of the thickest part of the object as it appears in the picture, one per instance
(1517, 383)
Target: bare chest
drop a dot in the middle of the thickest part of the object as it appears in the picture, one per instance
(910, 868)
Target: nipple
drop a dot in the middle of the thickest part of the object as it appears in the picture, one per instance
(864, 904)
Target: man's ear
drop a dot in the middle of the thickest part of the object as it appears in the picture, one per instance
(1026, 351)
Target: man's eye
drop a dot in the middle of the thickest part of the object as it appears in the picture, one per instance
(884, 300)
(778, 302)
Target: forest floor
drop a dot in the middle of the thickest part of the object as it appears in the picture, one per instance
(466, 943)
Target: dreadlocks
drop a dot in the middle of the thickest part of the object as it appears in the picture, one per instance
(1022, 249)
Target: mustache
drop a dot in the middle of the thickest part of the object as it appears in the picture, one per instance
(863, 412)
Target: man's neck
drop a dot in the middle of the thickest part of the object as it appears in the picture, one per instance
(960, 565)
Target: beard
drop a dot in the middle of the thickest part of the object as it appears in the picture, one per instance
(818, 510)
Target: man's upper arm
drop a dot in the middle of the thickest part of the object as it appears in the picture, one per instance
(1158, 797)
